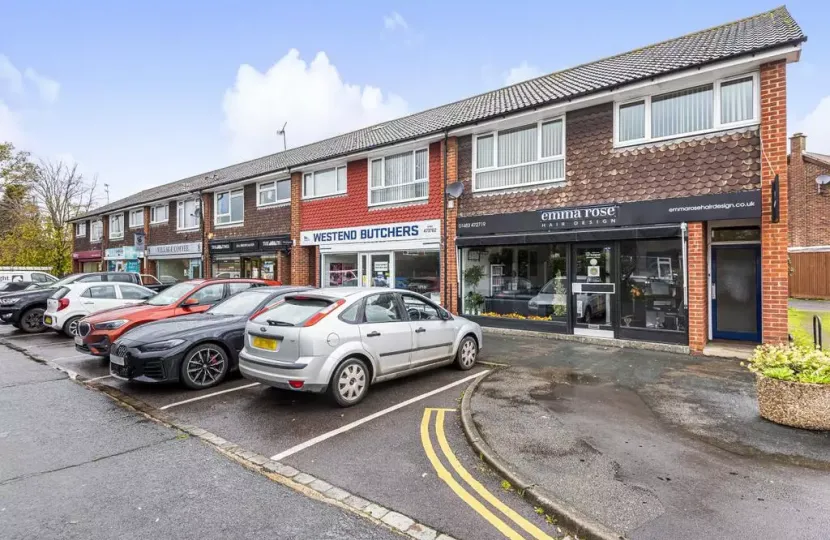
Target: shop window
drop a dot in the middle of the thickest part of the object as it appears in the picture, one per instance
(324, 183)
(80, 229)
(340, 270)
(651, 278)
(117, 227)
(517, 282)
(418, 271)
(736, 234)
(230, 207)
(159, 214)
(187, 215)
(274, 192)
(400, 178)
(172, 270)
(136, 219)
(231, 268)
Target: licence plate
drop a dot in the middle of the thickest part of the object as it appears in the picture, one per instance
(47, 320)
(117, 360)
(79, 340)
(268, 344)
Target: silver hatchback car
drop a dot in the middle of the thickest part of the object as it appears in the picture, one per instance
(342, 340)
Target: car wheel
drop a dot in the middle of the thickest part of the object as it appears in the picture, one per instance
(31, 321)
(350, 382)
(70, 329)
(465, 358)
(204, 366)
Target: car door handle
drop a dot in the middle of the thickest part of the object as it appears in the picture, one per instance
(373, 334)
(419, 330)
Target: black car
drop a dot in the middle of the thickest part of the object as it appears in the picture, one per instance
(8, 287)
(24, 309)
(197, 350)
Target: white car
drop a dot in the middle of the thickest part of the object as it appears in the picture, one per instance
(71, 303)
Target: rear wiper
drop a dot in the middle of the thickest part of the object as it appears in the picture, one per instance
(272, 322)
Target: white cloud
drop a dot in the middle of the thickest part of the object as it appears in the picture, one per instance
(11, 129)
(522, 72)
(46, 87)
(815, 126)
(395, 21)
(312, 98)
(10, 75)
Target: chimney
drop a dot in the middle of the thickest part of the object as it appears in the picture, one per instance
(798, 145)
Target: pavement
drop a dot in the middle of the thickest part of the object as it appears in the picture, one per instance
(651, 444)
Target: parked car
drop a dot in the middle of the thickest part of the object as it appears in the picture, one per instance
(342, 340)
(197, 350)
(543, 304)
(37, 276)
(25, 309)
(71, 303)
(97, 332)
(8, 287)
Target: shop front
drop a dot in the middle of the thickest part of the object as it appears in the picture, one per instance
(176, 262)
(87, 261)
(612, 271)
(250, 258)
(401, 255)
(123, 259)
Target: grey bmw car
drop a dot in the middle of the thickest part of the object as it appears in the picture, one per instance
(343, 340)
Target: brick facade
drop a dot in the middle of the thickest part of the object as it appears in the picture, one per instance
(808, 221)
(698, 253)
(301, 257)
(774, 236)
(449, 260)
(265, 221)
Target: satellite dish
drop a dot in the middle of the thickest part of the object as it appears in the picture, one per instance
(455, 190)
(822, 180)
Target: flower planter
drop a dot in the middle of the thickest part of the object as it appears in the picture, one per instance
(796, 404)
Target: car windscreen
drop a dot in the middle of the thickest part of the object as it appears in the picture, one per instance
(60, 293)
(66, 281)
(293, 311)
(168, 296)
(243, 303)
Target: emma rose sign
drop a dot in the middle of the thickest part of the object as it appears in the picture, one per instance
(579, 217)
(412, 230)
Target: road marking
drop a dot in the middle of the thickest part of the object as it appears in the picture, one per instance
(343, 429)
(191, 400)
(75, 357)
(448, 479)
(98, 378)
(528, 527)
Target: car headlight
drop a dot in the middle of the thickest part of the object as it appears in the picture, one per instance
(9, 301)
(161, 345)
(110, 325)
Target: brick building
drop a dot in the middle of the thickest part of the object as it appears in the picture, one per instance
(809, 239)
(631, 197)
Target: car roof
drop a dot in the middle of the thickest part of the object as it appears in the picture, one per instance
(346, 292)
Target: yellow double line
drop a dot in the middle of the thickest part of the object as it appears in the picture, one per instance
(475, 485)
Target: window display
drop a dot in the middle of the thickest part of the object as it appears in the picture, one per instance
(340, 270)
(651, 277)
(227, 268)
(418, 271)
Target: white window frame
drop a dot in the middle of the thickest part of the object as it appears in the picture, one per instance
(539, 159)
(80, 229)
(93, 239)
(140, 225)
(153, 213)
(232, 194)
(261, 187)
(717, 125)
(324, 169)
(180, 209)
(114, 217)
(383, 183)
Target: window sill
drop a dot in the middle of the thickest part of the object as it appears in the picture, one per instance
(398, 204)
(136, 227)
(117, 237)
(683, 136)
(229, 225)
(158, 223)
(277, 204)
(519, 187)
(329, 195)
(190, 229)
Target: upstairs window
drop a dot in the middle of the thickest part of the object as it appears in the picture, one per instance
(96, 231)
(159, 214)
(523, 156)
(324, 183)
(399, 178)
(116, 227)
(187, 215)
(274, 192)
(80, 229)
(230, 207)
(136, 219)
(719, 105)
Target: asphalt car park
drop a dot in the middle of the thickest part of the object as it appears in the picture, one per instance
(402, 447)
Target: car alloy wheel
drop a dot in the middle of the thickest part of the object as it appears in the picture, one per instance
(71, 327)
(32, 321)
(467, 352)
(204, 366)
(350, 382)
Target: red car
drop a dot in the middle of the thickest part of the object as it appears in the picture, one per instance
(99, 330)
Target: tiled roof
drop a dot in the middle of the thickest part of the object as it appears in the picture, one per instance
(773, 28)
(821, 158)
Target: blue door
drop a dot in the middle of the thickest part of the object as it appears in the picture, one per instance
(736, 292)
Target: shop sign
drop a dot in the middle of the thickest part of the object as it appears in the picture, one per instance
(741, 205)
(122, 254)
(87, 255)
(250, 245)
(189, 248)
(412, 230)
(139, 241)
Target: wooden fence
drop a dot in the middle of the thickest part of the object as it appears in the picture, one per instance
(810, 277)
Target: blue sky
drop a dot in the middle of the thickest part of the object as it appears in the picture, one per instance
(144, 93)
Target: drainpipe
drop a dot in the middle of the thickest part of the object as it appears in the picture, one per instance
(684, 235)
(444, 229)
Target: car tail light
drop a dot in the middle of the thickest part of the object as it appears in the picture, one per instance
(317, 317)
(266, 308)
(296, 384)
(63, 303)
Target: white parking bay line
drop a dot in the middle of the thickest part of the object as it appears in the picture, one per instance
(98, 378)
(320, 438)
(191, 400)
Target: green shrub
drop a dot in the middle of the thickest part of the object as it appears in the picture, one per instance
(791, 363)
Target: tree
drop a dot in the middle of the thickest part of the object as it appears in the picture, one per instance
(15, 167)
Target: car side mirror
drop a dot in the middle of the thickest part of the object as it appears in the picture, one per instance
(445, 315)
(190, 302)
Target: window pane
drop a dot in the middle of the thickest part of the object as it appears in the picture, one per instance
(382, 308)
(517, 146)
(651, 295)
(325, 182)
(222, 204)
(632, 121)
(682, 112)
(524, 174)
(736, 101)
(417, 271)
(133, 293)
(340, 270)
(267, 193)
(377, 173)
(398, 169)
(209, 294)
(422, 164)
(418, 310)
(736, 234)
(552, 139)
(237, 203)
(308, 185)
(484, 152)
(283, 190)
(101, 292)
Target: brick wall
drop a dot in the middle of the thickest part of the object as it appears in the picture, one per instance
(596, 172)
(449, 259)
(808, 221)
(128, 237)
(82, 243)
(301, 257)
(266, 221)
(166, 233)
(698, 287)
(774, 236)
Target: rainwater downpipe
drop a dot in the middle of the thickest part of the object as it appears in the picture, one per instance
(684, 235)
(444, 228)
